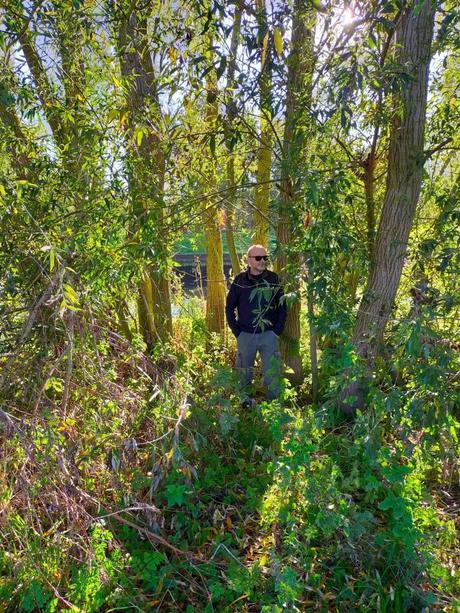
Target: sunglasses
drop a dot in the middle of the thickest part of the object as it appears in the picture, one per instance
(259, 257)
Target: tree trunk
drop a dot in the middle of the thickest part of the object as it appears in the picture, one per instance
(231, 195)
(264, 153)
(298, 100)
(404, 178)
(147, 169)
(49, 102)
(313, 335)
(215, 300)
(231, 116)
(122, 311)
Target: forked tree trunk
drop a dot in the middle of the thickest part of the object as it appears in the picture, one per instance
(404, 178)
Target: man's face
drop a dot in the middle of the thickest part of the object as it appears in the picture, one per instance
(256, 262)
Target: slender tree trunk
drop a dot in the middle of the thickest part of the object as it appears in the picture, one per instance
(264, 155)
(145, 310)
(298, 100)
(404, 178)
(215, 299)
(122, 311)
(51, 105)
(231, 116)
(313, 335)
(231, 194)
(262, 197)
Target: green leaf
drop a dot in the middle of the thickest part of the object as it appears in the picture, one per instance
(396, 473)
(34, 598)
(318, 5)
(371, 41)
(70, 294)
(116, 81)
(138, 136)
(314, 193)
(227, 421)
(396, 504)
(175, 494)
(278, 42)
(212, 144)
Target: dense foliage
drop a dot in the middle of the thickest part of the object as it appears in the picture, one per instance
(131, 478)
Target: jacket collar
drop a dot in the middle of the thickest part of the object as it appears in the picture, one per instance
(256, 278)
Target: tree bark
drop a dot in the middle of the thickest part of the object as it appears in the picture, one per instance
(298, 101)
(313, 335)
(215, 299)
(49, 102)
(231, 116)
(264, 153)
(404, 178)
(147, 170)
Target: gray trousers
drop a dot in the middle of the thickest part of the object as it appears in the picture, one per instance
(267, 344)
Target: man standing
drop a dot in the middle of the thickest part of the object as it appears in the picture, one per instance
(260, 316)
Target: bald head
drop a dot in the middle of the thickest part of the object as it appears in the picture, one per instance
(257, 259)
(256, 250)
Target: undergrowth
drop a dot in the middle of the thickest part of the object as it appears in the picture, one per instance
(150, 489)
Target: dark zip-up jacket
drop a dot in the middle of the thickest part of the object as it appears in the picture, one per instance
(258, 304)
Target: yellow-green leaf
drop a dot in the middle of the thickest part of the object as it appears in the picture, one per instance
(116, 81)
(70, 294)
(138, 135)
(113, 114)
(278, 42)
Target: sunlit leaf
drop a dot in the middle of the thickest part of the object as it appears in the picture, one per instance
(278, 39)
